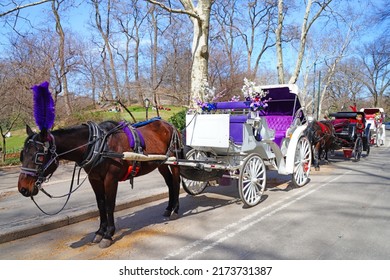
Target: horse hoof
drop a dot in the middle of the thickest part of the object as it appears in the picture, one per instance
(97, 238)
(167, 213)
(317, 169)
(174, 216)
(105, 243)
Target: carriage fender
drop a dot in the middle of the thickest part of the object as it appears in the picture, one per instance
(292, 147)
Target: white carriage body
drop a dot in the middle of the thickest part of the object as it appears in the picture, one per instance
(277, 134)
(231, 140)
(375, 118)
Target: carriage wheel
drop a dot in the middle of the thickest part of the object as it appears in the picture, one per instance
(358, 148)
(302, 162)
(252, 180)
(193, 187)
(190, 186)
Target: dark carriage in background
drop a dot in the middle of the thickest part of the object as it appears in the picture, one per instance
(352, 133)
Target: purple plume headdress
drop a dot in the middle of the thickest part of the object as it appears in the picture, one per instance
(44, 111)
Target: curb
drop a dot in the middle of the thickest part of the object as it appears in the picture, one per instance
(28, 229)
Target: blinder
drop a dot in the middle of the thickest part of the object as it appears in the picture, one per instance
(42, 163)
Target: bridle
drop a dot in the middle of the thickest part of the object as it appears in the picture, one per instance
(95, 146)
(44, 149)
(48, 149)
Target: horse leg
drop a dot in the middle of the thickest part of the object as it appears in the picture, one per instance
(326, 156)
(98, 189)
(317, 156)
(111, 188)
(172, 179)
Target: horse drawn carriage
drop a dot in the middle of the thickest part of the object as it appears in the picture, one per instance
(233, 141)
(352, 133)
(376, 117)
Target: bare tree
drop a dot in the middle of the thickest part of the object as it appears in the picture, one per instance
(62, 78)
(376, 75)
(105, 31)
(261, 21)
(316, 7)
(345, 87)
(130, 18)
(200, 17)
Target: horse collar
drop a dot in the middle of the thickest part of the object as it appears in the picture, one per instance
(96, 145)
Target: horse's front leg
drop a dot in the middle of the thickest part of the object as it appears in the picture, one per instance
(316, 156)
(326, 156)
(98, 188)
(172, 179)
(111, 188)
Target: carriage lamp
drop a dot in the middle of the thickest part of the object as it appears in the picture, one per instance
(146, 104)
(257, 122)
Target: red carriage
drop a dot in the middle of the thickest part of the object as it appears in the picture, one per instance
(352, 133)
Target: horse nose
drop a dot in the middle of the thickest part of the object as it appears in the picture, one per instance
(24, 192)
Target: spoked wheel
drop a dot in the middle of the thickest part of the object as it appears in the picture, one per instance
(190, 186)
(302, 162)
(357, 151)
(252, 180)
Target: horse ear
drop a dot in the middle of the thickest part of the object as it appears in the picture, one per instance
(29, 130)
(44, 134)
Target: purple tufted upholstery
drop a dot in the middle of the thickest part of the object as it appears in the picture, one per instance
(278, 117)
(280, 124)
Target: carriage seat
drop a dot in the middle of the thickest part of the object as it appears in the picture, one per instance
(279, 124)
(236, 128)
(340, 124)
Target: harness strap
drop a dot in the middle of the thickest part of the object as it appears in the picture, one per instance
(323, 127)
(137, 144)
(131, 171)
(95, 146)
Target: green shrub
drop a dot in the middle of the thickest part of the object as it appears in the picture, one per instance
(179, 120)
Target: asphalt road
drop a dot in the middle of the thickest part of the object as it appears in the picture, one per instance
(342, 214)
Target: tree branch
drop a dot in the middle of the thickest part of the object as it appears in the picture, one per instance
(20, 7)
(176, 11)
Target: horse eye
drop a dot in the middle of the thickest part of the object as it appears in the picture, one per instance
(40, 159)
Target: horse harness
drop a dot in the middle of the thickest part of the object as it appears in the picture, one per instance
(97, 150)
(137, 144)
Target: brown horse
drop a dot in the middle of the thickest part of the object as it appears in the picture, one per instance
(321, 135)
(98, 149)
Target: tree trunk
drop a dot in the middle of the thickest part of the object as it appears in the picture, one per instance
(200, 51)
(200, 17)
(61, 49)
(105, 37)
(279, 50)
(306, 24)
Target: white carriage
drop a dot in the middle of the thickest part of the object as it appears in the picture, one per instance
(375, 118)
(233, 141)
